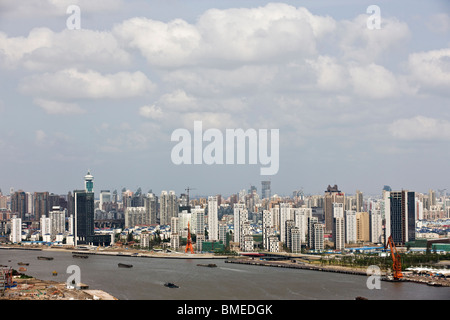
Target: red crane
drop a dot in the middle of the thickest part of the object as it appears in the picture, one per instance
(396, 263)
(189, 242)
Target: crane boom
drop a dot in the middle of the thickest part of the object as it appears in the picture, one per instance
(396, 263)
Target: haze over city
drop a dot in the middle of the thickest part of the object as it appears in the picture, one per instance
(355, 106)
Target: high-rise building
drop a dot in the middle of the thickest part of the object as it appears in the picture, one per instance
(198, 221)
(19, 204)
(240, 217)
(359, 201)
(339, 226)
(135, 216)
(105, 197)
(168, 207)
(319, 236)
(402, 216)
(363, 226)
(16, 229)
(41, 205)
(296, 242)
(351, 226)
(151, 207)
(58, 221)
(376, 226)
(289, 225)
(301, 216)
(332, 195)
(285, 212)
(84, 216)
(213, 219)
(223, 231)
(265, 190)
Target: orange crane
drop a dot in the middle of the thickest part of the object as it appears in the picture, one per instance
(189, 242)
(396, 263)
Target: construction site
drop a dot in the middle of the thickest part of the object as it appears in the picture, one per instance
(16, 286)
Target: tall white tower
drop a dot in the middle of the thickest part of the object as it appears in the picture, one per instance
(89, 182)
(213, 219)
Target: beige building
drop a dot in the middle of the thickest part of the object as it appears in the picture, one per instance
(362, 227)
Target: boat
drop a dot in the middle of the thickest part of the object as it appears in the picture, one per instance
(22, 269)
(209, 265)
(124, 265)
(80, 256)
(170, 285)
(54, 273)
(45, 258)
(22, 263)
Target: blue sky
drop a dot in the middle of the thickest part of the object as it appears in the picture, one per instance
(355, 107)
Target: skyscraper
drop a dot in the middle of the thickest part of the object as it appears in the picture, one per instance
(240, 217)
(84, 216)
(402, 216)
(359, 201)
(168, 207)
(265, 190)
(338, 226)
(213, 223)
(41, 205)
(19, 204)
(332, 195)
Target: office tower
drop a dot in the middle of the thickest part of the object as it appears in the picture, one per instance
(151, 207)
(19, 204)
(350, 226)
(332, 195)
(213, 219)
(363, 226)
(359, 201)
(84, 216)
(402, 216)
(311, 222)
(265, 190)
(135, 216)
(16, 229)
(240, 216)
(376, 225)
(223, 232)
(89, 182)
(168, 207)
(105, 197)
(339, 226)
(41, 205)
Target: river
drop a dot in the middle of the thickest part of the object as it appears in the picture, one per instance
(145, 280)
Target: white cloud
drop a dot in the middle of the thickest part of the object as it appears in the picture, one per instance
(373, 81)
(421, 128)
(151, 112)
(431, 69)
(73, 84)
(44, 49)
(57, 107)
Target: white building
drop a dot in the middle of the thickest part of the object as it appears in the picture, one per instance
(285, 214)
(213, 219)
(58, 221)
(134, 216)
(319, 233)
(338, 226)
(198, 220)
(46, 227)
(301, 217)
(16, 230)
(248, 243)
(376, 227)
(296, 241)
(274, 244)
(350, 226)
(240, 217)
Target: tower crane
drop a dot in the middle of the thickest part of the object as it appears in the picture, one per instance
(396, 263)
(189, 242)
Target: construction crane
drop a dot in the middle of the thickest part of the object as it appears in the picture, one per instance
(187, 190)
(189, 242)
(396, 263)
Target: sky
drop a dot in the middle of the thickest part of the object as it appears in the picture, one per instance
(355, 105)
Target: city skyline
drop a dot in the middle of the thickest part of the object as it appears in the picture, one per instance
(354, 106)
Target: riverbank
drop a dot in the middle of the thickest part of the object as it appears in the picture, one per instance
(407, 276)
(35, 289)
